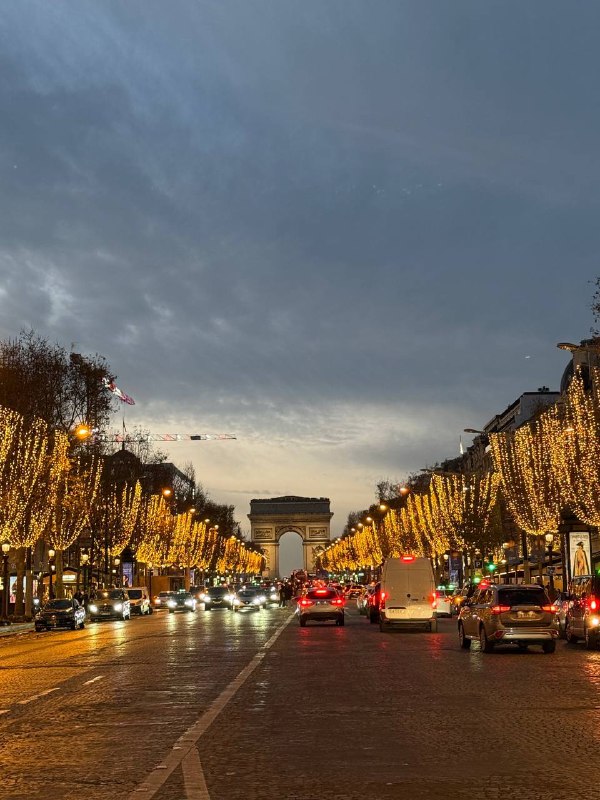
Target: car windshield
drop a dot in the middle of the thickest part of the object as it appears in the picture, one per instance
(58, 605)
(322, 594)
(165, 594)
(522, 597)
(247, 593)
(115, 594)
(218, 591)
(183, 595)
(135, 594)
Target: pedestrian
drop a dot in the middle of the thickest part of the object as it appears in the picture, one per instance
(289, 591)
(282, 597)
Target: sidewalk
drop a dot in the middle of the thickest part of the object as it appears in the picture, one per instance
(15, 628)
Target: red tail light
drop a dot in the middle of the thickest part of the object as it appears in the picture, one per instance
(434, 600)
(500, 609)
(382, 600)
(593, 604)
(408, 558)
(553, 609)
(304, 602)
(337, 601)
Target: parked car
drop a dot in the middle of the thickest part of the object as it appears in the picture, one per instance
(217, 597)
(561, 602)
(65, 613)
(320, 604)
(582, 619)
(508, 614)
(249, 599)
(181, 601)
(110, 604)
(407, 596)
(139, 599)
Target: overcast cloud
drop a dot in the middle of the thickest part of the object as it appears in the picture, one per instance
(342, 230)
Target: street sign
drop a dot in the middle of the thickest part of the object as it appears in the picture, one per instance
(478, 563)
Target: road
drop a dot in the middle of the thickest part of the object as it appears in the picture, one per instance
(229, 706)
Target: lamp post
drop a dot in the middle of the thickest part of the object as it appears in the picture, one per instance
(116, 571)
(51, 554)
(5, 588)
(149, 566)
(85, 557)
(549, 537)
(505, 548)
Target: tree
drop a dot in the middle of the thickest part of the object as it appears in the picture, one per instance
(42, 380)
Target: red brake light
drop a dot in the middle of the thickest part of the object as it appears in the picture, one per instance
(500, 609)
(553, 609)
(322, 591)
(434, 600)
(337, 601)
(593, 604)
(306, 602)
(382, 597)
(406, 559)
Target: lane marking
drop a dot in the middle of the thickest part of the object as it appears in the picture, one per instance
(155, 780)
(194, 781)
(37, 696)
(93, 680)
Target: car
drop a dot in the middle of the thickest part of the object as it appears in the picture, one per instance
(139, 599)
(508, 614)
(271, 593)
(562, 602)
(373, 604)
(362, 601)
(66, 613)
(444, 605)
(181, 601)
(583, 611)
(351, 592)
(160, 601)
(110, 604)
(217, 597)
(320, 604)
(250, 599)
(407, 596)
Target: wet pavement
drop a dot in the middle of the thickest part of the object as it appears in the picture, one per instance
(225, 706)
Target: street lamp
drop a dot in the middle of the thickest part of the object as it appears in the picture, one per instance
(149, 565)
(117, 562)
(5, 550)
(51, 554)
(85, 557)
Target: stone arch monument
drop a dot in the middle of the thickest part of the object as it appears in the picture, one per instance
(310, 517)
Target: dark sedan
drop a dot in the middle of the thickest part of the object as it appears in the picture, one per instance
(60, 614)
(181, 601)
(217, 597)
(110, 604)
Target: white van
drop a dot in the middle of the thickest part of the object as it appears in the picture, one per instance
(407, 594)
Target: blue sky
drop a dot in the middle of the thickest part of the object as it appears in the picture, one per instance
(342, 230)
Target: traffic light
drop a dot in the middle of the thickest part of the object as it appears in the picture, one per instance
(491, 567)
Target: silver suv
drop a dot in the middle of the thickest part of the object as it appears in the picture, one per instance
(505, 614)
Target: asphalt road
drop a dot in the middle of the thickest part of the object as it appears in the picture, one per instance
(223, 706)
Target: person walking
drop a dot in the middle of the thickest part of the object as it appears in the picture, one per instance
(282, 597)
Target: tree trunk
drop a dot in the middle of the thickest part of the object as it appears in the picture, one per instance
(19, 599)
(28, 585)
(59, 589)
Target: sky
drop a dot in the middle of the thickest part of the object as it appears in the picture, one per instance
(341, 230)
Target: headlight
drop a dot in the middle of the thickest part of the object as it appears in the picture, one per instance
(256, 601)
(229, 597)
(595, 622)
(236, 602)
(93, 609)
(189, 602)
(207, 599)
(204, 597)
(262, 599)
(171, 603)
(119, 607)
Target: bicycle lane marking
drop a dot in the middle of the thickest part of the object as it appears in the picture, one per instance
(187, 741)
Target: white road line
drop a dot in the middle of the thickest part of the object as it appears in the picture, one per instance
(93, 680)
(37, 696)
(187, 741)
(193, 777)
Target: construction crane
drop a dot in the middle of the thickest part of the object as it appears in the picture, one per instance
(164, 437)
(83, 432)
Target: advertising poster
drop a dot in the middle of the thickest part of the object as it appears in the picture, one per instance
(580, 555)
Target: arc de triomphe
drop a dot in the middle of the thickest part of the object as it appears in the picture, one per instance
(310, 517)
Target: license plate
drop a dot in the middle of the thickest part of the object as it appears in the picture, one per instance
(525, 614)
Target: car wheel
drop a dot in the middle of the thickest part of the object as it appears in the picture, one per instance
(591, 640)
(302, 623)
(522, 648)
(463, 641)
(341, 622)
(373, 618)
(73, 626)
(484, 643)
(82, 624)
(171, 611)
(151, 610)
(549, 647)
(433, 626)
(210, 609)
(570, 637)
